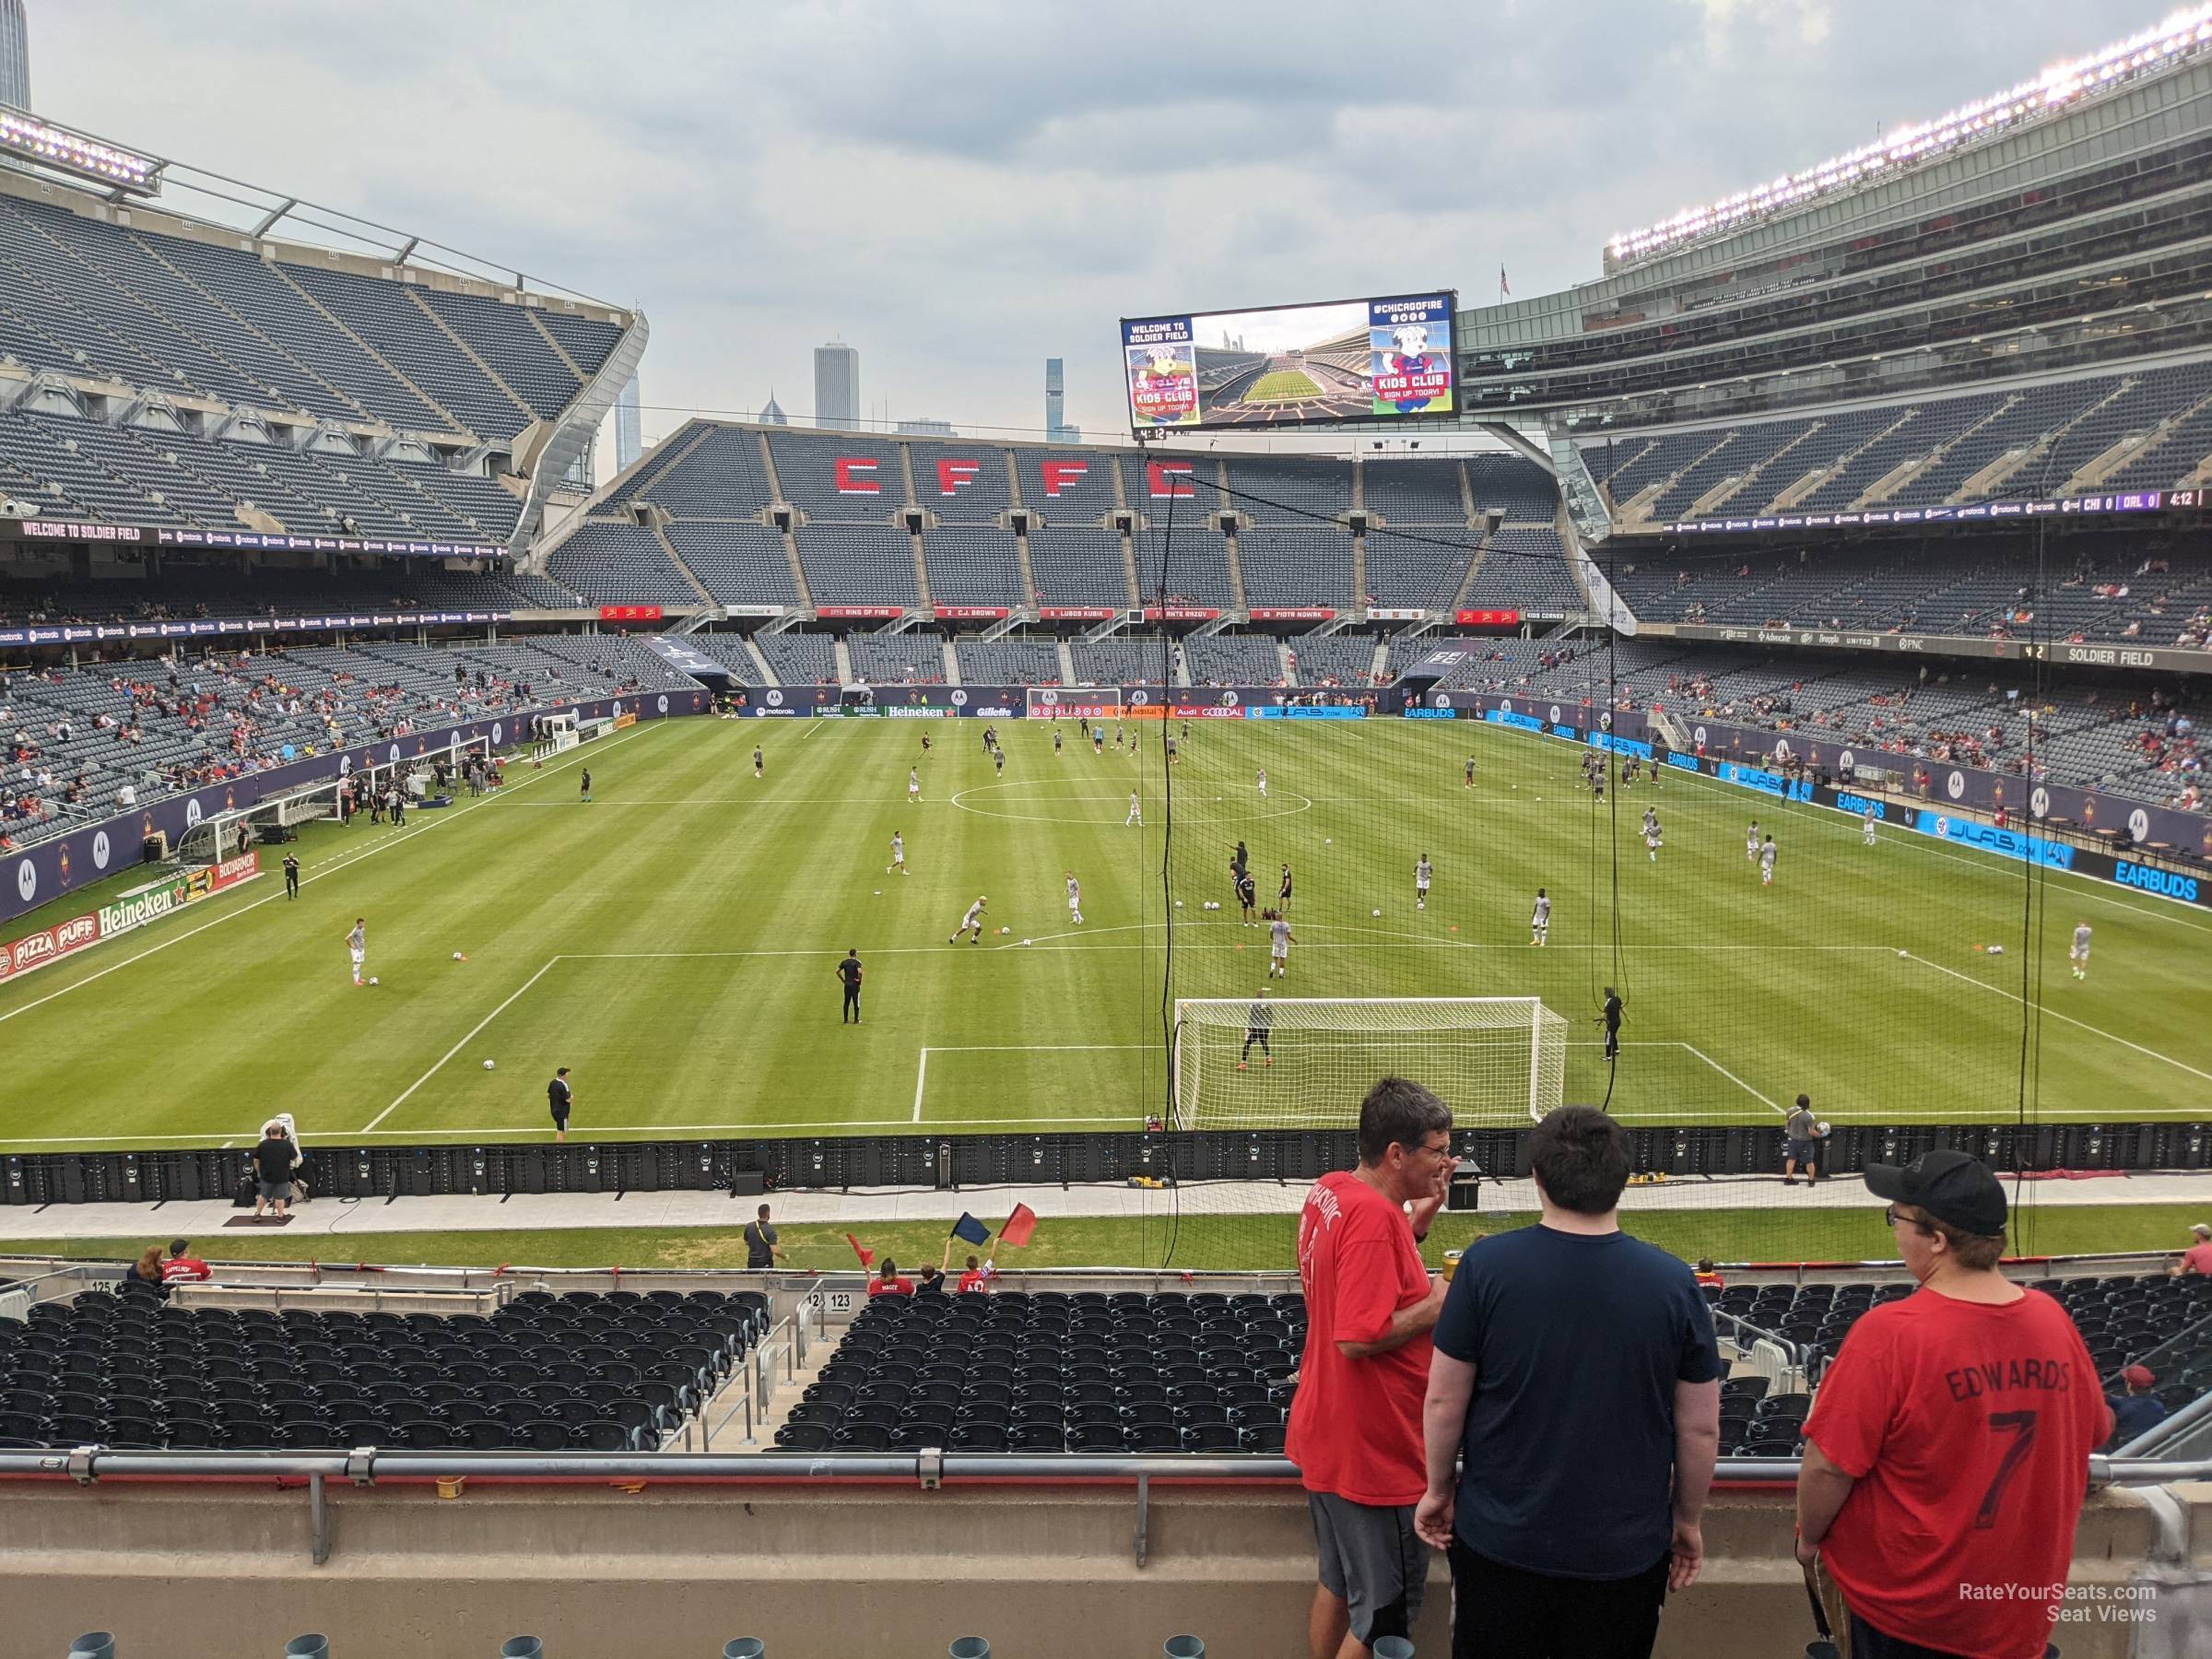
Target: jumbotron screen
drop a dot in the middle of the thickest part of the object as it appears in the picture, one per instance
(1292, 365)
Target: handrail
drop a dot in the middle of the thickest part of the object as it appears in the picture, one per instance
(367, 1466)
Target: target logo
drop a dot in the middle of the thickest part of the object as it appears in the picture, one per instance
(192, 809)
(663, 703)
(959, 700)
(2139, 824)
(26, 880)
(1955, 786)
(2038, 803)
(99, 850)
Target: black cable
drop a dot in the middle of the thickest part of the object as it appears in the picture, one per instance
(1167, 895)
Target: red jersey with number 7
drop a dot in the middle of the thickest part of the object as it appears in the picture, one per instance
(1968, 1428)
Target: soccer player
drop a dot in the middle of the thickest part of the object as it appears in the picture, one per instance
(1075, 900)
(1257, 1022)
(1248, 895)
(1539, 921)
(898, 854)
(559, 1098)
(357, 945)
(1282, 898)
(1055, 743)
(1421, 873)
(1867, 825)
(1751, 842)
(759, 761)
(998, 760)
(1098, 740)
(1470, 774)
(1170, 740)
(1279, 941)
(971, 923)
(1651, 832)
(587, 795)
(1609, 1017)
(1766, 863)
(849, 971)
(2077, 954)
(925, 743)
(914, 783)
(1117, 734)
(291, 876)
(990, 738)
(1263, 783)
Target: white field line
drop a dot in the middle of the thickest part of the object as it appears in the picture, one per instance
(2050, 1013)
(921, 1082)
(457, 1047)
(327, 867)
(1732, 1077)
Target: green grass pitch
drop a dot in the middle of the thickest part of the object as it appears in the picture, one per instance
(1283, 386)
(675, 942)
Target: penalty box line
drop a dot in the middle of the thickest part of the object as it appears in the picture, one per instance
(922, 1066)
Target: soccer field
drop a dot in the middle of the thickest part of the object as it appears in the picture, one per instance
(675, 944)
(1283, 386)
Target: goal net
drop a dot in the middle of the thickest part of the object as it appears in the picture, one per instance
(1303, 1062)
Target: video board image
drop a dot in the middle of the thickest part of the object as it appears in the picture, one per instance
(1297, 365)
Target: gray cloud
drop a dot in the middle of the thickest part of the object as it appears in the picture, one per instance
(963, 189)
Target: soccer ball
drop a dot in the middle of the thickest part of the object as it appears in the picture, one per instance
(1178, 904)
(372, 979)
(1329, 840)
(458, 957)
(1374, 913)
(1821, 1128)
(488, 1065)
(1005, 930)
(1904, 953)
(1029, 941)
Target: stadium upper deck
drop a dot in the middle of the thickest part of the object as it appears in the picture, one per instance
(217, 385)
(2063, 226)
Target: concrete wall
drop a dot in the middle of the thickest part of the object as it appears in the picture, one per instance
(188, 1571)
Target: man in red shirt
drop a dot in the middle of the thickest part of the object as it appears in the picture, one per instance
(1948, 1453)
(888, 1282)
(1355, 1430)
(182, 1266)
(2197, 1258)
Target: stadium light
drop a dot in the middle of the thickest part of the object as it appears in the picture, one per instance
(45, 145)
(2182, 34)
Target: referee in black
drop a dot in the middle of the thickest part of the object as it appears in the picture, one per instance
(849, 971)
(291, 876)
(1611, 1020)
(558, 1097)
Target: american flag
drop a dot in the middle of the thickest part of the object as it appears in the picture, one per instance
(1503, 292)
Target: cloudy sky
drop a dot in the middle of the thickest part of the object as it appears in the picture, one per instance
(961, 188)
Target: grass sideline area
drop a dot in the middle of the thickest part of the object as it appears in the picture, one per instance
(675, 941)
(1225, 1241)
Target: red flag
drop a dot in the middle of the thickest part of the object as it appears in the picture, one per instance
(867, 1256)
(1018, 1226)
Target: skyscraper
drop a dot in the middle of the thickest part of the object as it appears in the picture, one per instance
(772, 412)
(15, 56)
(837, 386)
(1056, 430)
(629, 431)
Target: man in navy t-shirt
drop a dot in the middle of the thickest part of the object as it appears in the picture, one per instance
(1575, 1370)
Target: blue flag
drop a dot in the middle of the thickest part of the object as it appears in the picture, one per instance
(969, 1229)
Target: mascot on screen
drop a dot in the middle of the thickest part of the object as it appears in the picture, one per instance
(1163, 384)
(1412, 358)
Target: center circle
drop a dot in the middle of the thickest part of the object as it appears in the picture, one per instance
(1119, 801)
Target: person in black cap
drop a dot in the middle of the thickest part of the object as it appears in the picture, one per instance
(1948, 1453)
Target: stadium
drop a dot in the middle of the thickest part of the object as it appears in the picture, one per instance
(1768, 677)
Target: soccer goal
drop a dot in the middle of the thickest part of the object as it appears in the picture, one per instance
(1303, 1062)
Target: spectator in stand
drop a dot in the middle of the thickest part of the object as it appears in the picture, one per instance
(2135, 1411)
(1355, 1428)
(932, 1282)
(183, 1264)
(975, 1279)
(1708, 1276)
(1946, 1455)
(887, 1281)
(1563, 1540)
(2197, 1258)
(144, 1275)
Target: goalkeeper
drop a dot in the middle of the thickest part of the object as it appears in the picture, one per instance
(1258, 1019)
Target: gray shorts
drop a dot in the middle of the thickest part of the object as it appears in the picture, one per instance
(273, 1192)
(1372, 1560)
(1802, 1152)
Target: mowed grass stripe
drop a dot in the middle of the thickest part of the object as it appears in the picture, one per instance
(1793, 987)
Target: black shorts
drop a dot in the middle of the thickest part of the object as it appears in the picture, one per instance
(561, 1117)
